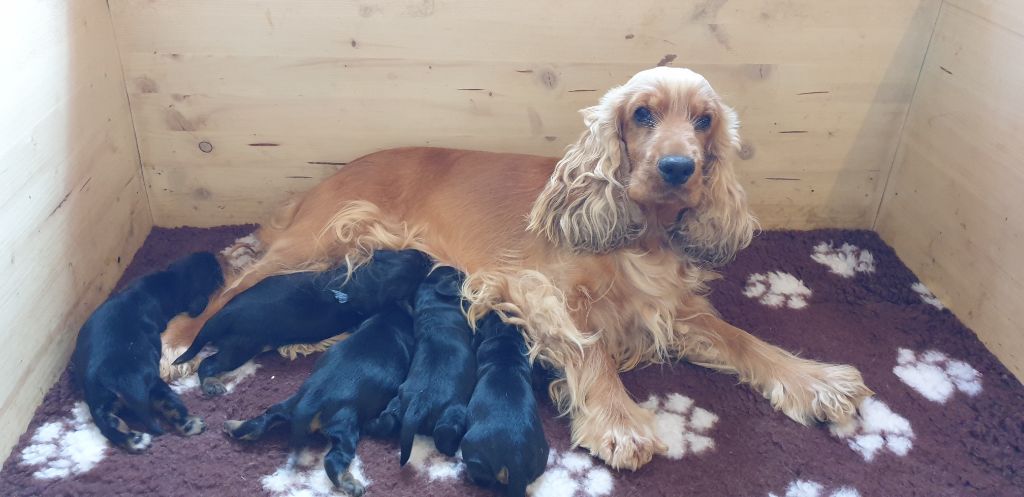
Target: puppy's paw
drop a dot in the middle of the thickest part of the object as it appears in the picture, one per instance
(138, 442)
(193, 425)
(213, 387)
(348, 484)
(235, 428)
(449, 430)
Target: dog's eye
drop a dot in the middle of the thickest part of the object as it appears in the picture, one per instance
(643, 117)
(702, 123)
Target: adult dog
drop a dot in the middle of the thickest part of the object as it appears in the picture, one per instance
(600, 256)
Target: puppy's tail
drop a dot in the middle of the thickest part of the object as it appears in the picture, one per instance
(411, 421)
(197, 345)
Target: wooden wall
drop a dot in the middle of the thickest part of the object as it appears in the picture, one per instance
(74, 205)
(954, 208)
(238, 103)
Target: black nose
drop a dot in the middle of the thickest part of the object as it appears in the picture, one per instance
(676, 169)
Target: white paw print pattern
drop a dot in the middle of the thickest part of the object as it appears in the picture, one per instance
(572, 474)
(927, 296)
(231, 380)
(935, 376)
(66, 447)
(846, 260)
(427, 461)
(875, 430)
(777, 289)
(680, 425)
(307, 478)
(808, 488)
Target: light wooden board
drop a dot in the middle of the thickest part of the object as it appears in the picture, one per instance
(822, 88)
(954, 209)
(74, 205)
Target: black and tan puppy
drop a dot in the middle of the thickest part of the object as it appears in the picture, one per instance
(433, 399)
(117, 354)
(505, 442)
(302, 308)
(346, 392)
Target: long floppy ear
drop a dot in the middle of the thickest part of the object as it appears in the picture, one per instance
(584, 206)
(721, 224)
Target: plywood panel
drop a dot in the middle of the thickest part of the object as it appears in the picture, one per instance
(954, 209)
(822, 87)
(72, 199)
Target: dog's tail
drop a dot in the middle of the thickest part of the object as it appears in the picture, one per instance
(133, 390)
(204, 337)
(302, 421)
(412, 419)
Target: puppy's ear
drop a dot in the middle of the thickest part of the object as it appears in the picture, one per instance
(584, 206)
(450, 285)
(721, 224)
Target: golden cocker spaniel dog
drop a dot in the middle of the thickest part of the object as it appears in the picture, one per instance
(600, 256)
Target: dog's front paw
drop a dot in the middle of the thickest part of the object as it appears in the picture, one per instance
(214, 387)
(193, 425)
(623, 439)
(138, 442)
(819, 392)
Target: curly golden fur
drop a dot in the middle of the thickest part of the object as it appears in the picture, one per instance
(600, 257)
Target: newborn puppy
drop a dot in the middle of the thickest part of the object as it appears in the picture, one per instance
(433, 399)
(302, 308)
(117, 354)
(349, 387)
(505, 442)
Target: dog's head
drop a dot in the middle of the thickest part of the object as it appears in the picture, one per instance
(197, 276)
(656, 159)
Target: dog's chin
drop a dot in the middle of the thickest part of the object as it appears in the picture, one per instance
(668, 202)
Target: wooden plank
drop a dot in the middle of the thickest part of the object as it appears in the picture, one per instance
(333, 80)
(953, 209)
(74, 208)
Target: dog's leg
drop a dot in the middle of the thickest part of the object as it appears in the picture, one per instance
(802, 389)
(255, 428)
(102, 406)
(232, 355)
(449, 429)
(605, 419)
(170, 406)
(343, 432)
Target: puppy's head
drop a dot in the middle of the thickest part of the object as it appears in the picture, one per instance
(656, 159)
(197, 275)
(444, 281)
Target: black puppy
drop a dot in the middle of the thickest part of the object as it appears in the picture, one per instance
(117, 354)
(433, 399)
(302, 308)
(505, 442)
(349, 387)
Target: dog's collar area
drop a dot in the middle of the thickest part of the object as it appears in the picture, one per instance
(340, 296)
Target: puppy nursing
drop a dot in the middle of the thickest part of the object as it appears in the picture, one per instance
(302, 308)
(349, 387)
(433, 399)
(505, 442)
(117, 353)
